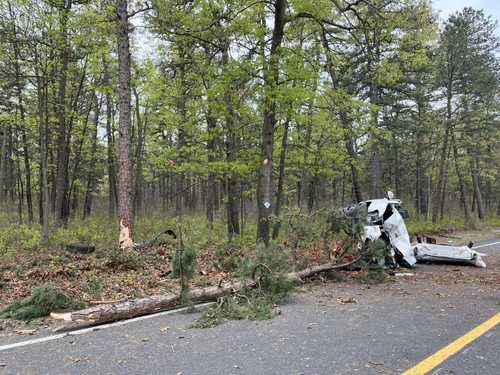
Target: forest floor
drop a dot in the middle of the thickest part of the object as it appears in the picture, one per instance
(111, 276)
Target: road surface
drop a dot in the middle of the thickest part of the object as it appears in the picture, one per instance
(390, 328)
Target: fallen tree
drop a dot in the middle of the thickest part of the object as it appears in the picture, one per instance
(148, 305)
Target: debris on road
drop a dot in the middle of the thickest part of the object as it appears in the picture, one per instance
(25, 331)
(347, 300)
(448, 253)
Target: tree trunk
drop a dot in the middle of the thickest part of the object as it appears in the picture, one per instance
(478, 197)
(23, 125)
(420, 191)
(461, 182)
(281, 179)
(141, 135)
(91, 176)
(356, 185)
(271, 75)
(3, 161)
(61, 188)
(211, 181)
(232, 148)
(110, 149)
(125, 216)
(42, 93)
(303, 188)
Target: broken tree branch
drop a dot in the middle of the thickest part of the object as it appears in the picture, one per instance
(142, 306)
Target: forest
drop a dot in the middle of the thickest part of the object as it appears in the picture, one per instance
(237, 122)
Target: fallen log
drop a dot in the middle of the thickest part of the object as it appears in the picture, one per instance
(148, 305)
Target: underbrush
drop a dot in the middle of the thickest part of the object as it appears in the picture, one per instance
(44, 300)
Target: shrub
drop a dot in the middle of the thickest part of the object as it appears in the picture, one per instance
(124, 260)
(19, 237)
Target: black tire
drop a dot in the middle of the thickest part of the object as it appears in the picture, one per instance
(80, 249)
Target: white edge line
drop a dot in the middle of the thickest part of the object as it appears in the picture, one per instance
(486, 245)
(98, 328)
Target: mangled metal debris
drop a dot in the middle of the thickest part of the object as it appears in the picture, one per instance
(383, 219)
(446, 253)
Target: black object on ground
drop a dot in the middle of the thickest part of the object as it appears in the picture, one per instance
(80, 248)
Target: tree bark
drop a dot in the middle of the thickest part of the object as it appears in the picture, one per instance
(61, 186)
(125, 215)
(91, 176)
(23, 125)
(211, 181)
(141, 135)
(271, 75)
(478, 196)
(281, 179)
(110, 149)
(42, 93)
(464, 199)
(232, 148)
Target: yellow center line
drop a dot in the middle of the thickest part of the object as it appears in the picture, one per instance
(440, 356)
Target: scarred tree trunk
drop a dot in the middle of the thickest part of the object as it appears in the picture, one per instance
(125, 217)
(271, 74)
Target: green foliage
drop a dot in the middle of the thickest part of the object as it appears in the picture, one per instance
(350, 223)
(268, 266)
(19, 237)
(418, 226)
(373, 253)
(93, 285)
(184, 262)
(373, 276)
(238, 307)
(124, 259)
(229, 257)
(44, 299)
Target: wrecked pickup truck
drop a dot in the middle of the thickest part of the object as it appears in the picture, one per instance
(383, 219)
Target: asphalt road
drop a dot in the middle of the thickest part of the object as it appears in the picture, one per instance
(389, 329)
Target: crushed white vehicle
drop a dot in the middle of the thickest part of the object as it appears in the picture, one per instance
(383, 219)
